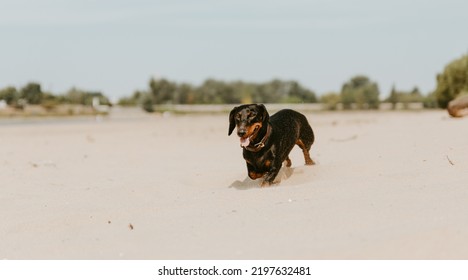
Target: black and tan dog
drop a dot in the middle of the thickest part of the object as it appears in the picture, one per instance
(267, 141)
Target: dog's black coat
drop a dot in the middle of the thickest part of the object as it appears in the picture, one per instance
(287, 128)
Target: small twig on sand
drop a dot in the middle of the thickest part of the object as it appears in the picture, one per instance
(344, 140)
(451, 162)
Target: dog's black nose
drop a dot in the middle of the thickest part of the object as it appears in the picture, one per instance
(241, 132)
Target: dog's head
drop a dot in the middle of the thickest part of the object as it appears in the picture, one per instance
(248, 119)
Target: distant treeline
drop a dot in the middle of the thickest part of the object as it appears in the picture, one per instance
(163, 91)
(361, 93)
(358, 93)
(32, 94)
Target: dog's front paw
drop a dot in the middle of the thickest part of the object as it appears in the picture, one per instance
(255, 175)
(267, 183)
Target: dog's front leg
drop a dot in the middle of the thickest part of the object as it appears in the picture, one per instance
(272, 173)
(252, 172)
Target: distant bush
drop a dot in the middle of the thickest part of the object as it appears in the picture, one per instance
(132, 100)
(32, 93)
(9, 94)
(452, 81)
(147, 103)
(406, 97)
(330, 100)
(430, 101)
(82, 97)
(360, 90)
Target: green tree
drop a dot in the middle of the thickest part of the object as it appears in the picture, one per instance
(278, 91)
(452, 81)
(218, 92)
(393, 97)
(75, 96)
(185, 94)
(82, 97)
(362, 92)
(9, 94)
(244, 92)
(270, 92)
(430, 101)
(50, 101)
(330, 100)
(132, 100)
(147, 101)
(405, 97)
(32, 93)
(162, 90)
(298, 94)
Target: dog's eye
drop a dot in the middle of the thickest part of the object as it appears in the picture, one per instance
(238, 116)
(252, 114)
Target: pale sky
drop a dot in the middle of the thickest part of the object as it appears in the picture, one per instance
(116, 46)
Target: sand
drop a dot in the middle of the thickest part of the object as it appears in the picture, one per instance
(387, 185)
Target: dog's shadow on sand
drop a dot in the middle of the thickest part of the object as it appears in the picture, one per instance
(248, 183)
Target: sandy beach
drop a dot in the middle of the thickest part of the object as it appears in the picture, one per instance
(387, 185)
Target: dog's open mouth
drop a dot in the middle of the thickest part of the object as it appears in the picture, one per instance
(245, 141)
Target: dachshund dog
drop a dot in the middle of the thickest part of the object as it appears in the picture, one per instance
(267, 141)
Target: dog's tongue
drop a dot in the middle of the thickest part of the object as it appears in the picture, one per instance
(245, 142)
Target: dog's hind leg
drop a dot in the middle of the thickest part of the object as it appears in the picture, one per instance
(305, 140)
(305, 151)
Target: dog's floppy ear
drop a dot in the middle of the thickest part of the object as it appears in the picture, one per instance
(264, 113)
(232, 121)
